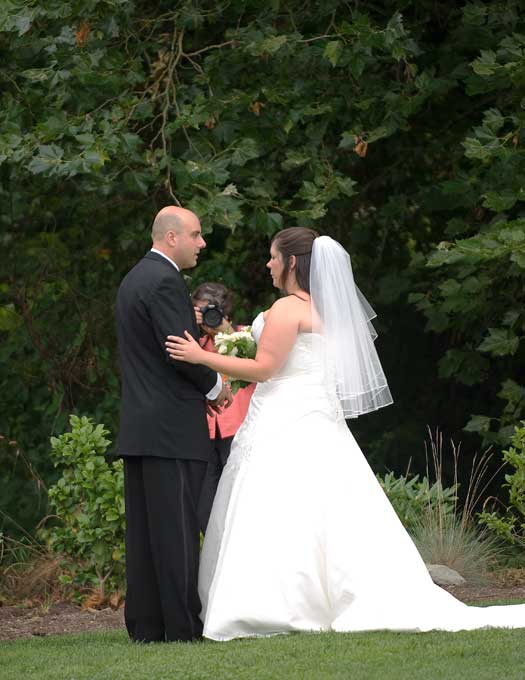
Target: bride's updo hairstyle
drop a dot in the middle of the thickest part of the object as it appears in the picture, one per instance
(296, 241)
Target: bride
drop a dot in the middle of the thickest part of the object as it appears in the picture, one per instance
(301, 535)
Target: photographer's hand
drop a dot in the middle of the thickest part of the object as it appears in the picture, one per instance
(224, 400)
(198, 315)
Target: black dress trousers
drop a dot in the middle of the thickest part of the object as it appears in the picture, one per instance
(221, 452)
(162, 546)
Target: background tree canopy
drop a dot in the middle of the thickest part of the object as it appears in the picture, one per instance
(396, 127)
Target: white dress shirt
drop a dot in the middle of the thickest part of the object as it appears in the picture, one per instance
(214, 392)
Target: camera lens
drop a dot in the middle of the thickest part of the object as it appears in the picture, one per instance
(212, 316)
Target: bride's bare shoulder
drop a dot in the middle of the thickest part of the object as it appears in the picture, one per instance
(289, 307)
(276, 305)
(284, 303)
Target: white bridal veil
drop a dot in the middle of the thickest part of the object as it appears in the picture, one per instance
(343, 316)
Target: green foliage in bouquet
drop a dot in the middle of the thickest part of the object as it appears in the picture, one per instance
(237, 344)
(510, 526)
(87, 503)
(412, 497)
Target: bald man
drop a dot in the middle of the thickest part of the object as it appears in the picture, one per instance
(163, 436)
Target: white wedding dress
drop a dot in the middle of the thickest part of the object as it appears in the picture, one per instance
(302, 537)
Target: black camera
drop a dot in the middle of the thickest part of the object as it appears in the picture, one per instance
(212, 315)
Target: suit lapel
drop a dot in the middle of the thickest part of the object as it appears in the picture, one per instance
(195, 328)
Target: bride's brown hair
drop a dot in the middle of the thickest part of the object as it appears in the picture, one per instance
(296, 241)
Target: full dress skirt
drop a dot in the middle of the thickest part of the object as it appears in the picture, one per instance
(301, 535)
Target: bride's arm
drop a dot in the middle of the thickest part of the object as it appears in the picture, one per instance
(277, 339)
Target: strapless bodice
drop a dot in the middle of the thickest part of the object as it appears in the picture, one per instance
(304, 358)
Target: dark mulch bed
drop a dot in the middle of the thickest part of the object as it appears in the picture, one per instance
(63, 617)
(29, 622)
(488, 594)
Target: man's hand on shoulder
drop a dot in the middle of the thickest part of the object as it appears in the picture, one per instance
(223, 400)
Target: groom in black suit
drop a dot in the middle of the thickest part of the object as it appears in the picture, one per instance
(163, 435)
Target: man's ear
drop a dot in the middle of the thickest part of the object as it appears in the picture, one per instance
(171, 238)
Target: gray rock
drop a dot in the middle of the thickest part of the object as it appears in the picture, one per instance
(445, 576)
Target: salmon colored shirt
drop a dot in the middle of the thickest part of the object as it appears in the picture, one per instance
(227, 423)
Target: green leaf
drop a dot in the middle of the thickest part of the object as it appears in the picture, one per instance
(246, 150)
(486, 64)
(450, 287)
(514, 235)
(268, 45)
(499, 201)
(394, 29)
(512, 392)
(467, 367)
(86, 138)
(295, 159)
(511, 317)
(23, 20)
(346, 185)
(274, 44)
(379, 133)
(36, 75)
(49, 158)
(333, 51)
(357, 65)
(474, 14)
(9, 318)
(94, 158)
(474, 149)
(518, 258)
(480, 424)
(500, 342)
(493, 119)
(347, 140)
(274, 223)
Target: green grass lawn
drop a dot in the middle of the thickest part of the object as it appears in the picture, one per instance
(478, 655)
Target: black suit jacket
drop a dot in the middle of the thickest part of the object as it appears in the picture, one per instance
(163, 410)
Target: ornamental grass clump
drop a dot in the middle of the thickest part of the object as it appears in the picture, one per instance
(29, 572)
(446, 532)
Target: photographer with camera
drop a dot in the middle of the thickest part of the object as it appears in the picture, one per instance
(213, 304)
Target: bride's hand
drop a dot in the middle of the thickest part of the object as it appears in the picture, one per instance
(185, 349)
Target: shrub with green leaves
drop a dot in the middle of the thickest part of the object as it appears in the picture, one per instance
(396, 127)
(510, 525)
(411, 497)
(87, 508)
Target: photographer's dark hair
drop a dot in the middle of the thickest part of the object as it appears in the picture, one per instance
(216, 294)
(296, 241)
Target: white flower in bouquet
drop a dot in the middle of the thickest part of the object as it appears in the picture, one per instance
(237, 344)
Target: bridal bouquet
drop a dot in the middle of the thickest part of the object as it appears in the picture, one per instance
(237, 344)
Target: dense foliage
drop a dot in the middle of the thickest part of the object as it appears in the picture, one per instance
(507, 520)
(396, 127)
(86, 527)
